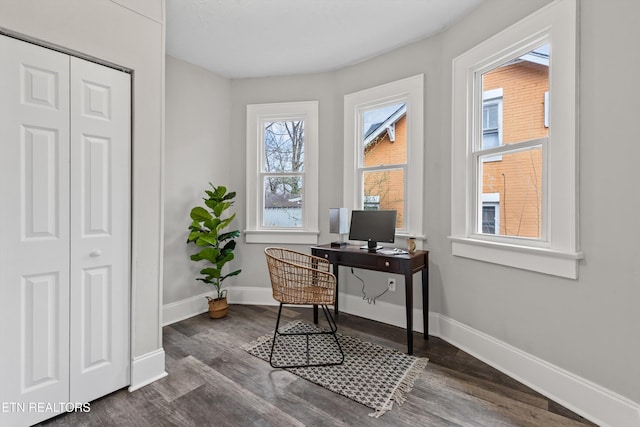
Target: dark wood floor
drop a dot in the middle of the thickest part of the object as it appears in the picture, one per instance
(213, 382)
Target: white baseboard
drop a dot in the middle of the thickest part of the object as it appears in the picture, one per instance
(180, 310)
(391, 314)
(189, 307)
(251, 295)
(146, 369)
(592, 401)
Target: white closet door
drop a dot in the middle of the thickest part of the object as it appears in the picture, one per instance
(100, 218)
(34, 229)
(65, 152)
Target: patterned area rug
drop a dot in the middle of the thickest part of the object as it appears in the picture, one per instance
(372, 375)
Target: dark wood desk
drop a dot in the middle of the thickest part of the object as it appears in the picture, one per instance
(353, 256)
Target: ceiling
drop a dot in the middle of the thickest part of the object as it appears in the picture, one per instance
(259, 38)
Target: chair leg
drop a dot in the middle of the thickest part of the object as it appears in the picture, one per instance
(275, 336)
(333, 328)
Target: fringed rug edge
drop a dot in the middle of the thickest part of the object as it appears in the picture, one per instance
(405, 385)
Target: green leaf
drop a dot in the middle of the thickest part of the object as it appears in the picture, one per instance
(211, 204)
(229, 196)
(207, 240)
(223, 259)
(193, 236)
(227, 221)
(235, 273)
(200, 214)
(213, 224)
(230, 235)
(209, 254)
(209, 271)
(214, 273)
(229, 246)
(220, 207)
(220, 191)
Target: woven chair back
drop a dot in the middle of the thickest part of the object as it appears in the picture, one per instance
(298, 278)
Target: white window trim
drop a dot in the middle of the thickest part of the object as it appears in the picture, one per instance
(411, 91)
(558, 253)
(546, 109)
(256, 115)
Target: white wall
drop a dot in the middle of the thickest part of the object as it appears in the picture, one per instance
(321, 87)
(587, 326)
(583, 332)
(197, 151)
(130, 35)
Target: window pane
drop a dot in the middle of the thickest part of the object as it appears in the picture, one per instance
(524, 82)
(384, 190)
(385, 135)
(489, 219)
(519, 115)
(490, 139)
(490, 116)
(282, 204)
(284, 146)
(516, 181)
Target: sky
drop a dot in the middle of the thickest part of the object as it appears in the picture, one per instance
(378, 115)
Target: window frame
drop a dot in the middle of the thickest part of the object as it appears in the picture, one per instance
(409, 90)
(557, 253)
(257, 115)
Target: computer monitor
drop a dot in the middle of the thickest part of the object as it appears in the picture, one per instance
(373, 226)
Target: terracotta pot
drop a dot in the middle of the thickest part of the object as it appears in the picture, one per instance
(218, 307)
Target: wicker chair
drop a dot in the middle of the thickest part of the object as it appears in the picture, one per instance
(302, 279)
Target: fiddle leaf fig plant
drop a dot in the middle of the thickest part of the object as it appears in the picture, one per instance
(207, 232)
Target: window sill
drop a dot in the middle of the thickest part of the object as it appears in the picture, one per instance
(292, 237)
(542, 260)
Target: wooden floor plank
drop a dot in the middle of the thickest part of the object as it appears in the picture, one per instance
(212, 381)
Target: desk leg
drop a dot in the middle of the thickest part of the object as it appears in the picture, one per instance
(314, 264)
(408, 284)
(425, 300)
(335, 304)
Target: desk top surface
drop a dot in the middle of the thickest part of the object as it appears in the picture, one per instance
(357, 250)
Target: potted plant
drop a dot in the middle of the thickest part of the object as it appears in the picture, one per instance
(216, 245)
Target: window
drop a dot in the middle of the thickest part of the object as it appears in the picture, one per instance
(282, 173)
(514, 153)
(490, 213)
(382, 159)
(492, 121)
(492, 118)
(384, 152)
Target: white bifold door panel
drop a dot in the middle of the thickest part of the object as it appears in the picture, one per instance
(34, 227)
(100, 212)
(64, 231)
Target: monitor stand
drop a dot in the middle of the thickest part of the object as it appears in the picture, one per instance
(371, 246)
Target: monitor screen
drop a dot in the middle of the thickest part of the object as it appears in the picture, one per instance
(373, 226)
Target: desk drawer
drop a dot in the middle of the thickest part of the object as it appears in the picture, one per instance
(330, 256)
(391, 265)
